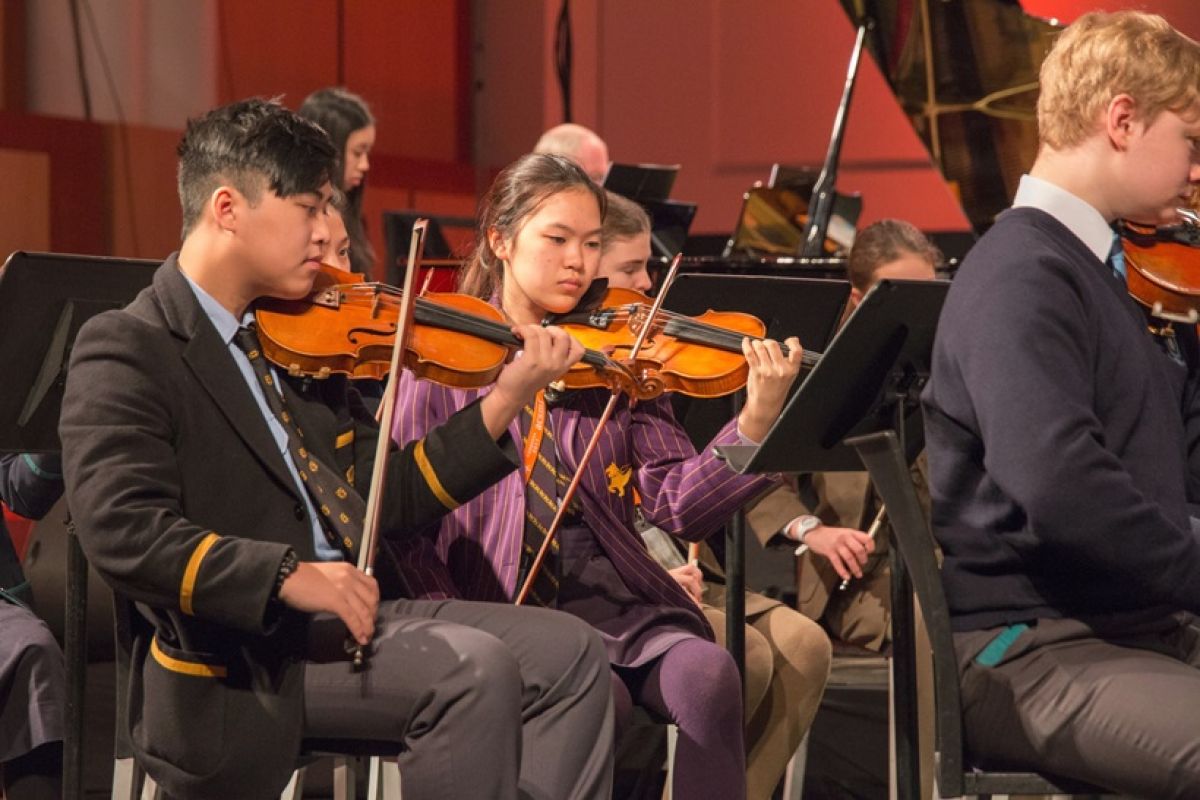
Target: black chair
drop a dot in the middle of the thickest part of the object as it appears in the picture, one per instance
(919, 573)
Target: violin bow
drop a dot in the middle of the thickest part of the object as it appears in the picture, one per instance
(387, 416)
(573, 486)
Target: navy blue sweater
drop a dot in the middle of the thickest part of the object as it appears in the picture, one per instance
(1056, 438)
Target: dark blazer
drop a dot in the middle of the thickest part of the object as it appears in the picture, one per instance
(184, 504)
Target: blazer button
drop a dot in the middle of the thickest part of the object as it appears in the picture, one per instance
(298, 511)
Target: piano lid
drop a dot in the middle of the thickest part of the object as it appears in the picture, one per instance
(966, 74)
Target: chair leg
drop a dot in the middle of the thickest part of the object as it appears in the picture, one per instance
(672, 738)
(793, 782)
(383, 779)
(343, 778)
(375, 778)
(151, 790)
(127, 779)
(295, 787)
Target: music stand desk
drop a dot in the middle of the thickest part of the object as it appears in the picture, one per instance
(44, 299)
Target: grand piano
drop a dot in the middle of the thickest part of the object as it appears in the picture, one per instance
(965, 74)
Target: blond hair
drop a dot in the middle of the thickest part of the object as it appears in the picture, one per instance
(623, 219)
(1102, 55)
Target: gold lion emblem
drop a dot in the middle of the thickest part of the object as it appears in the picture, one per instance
(618, 478)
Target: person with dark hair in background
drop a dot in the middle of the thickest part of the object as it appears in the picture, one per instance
(347, 119)
(223, 501)
(32, 674)
(829, 511)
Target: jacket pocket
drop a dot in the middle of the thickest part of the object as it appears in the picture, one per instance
(182, 708)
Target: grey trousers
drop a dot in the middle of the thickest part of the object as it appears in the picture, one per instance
(33, 683)
(490, 701)
(1115, 703)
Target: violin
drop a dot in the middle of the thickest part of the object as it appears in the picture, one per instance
(697, 356)
(1162, 267)
(347, 326)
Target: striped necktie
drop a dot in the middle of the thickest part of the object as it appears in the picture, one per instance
(341, 507)
(541, 503)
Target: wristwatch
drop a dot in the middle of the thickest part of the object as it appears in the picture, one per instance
(804, 524)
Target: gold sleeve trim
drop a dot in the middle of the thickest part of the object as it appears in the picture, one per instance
(431, 477)
(343, 440)
(194, 668)
(188, 587)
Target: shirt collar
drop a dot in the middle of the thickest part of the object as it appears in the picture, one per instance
(1075, 214)
(225, 322)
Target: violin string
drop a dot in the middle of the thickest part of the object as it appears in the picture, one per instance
(433, 313)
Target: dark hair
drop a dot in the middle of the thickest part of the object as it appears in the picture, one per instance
(623, 219)
(515, 195)
(341, 113)
(885, 241)
(245, 145)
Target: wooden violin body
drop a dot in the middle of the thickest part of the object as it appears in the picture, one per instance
(348, 326)
(698, 356)
(1162, 270)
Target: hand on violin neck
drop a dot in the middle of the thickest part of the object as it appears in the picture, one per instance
(546, 354)
(771, 376)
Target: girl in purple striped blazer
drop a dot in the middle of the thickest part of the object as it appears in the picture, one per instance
(538, 250)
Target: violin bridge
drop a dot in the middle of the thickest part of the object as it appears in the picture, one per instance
(329, 298)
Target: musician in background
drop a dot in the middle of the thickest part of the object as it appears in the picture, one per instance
(32, 673)
(347, 119)
(579, 144)
(184, 452)
(830, 511)
(1058, 452)
(787, 654)
(336, 252)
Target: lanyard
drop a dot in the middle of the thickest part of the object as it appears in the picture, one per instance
(537, 429)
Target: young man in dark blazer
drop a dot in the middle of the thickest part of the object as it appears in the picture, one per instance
(1058, 437)
(202, 483)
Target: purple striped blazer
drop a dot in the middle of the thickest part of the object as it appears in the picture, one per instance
(474, 552)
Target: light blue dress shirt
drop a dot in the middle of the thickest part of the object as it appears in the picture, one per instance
(227, 325)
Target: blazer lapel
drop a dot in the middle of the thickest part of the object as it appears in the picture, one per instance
(209, 359)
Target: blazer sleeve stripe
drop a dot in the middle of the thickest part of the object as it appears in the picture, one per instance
(344, 439)
(431, 478)
(194, 668)
(188, 586)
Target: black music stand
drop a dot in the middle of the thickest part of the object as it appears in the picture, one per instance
(805, 307)
(641, 182)
(868, 380)
(670, 221)
(44, 299)
(397, 233)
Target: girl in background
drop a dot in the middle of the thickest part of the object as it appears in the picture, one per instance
(348, 121)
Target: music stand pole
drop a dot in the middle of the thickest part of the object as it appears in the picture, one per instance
(735, 576)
